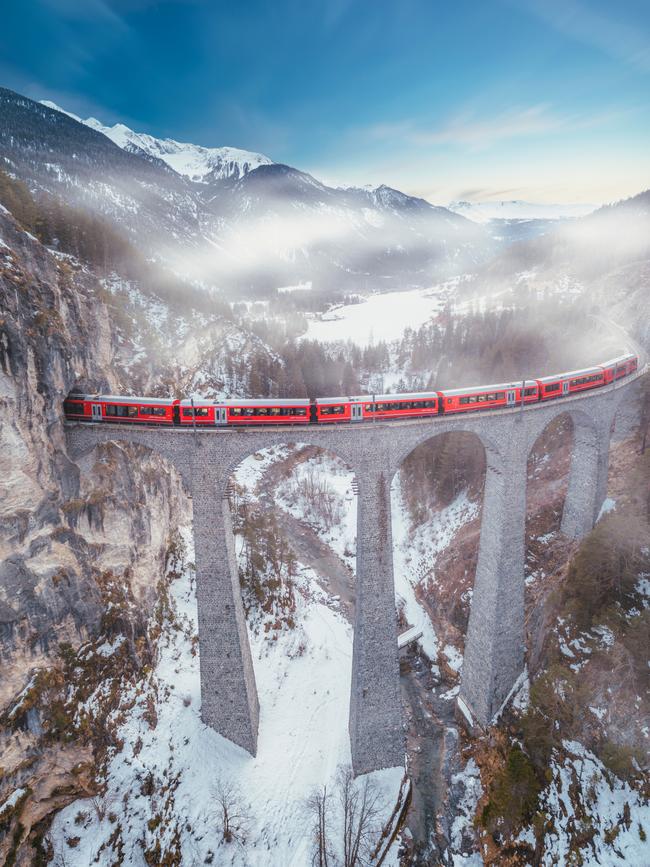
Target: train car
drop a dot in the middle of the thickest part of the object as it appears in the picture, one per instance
(561, 384)
(326, 410)
(488, 396)
(410, 405)
(79, 406)
(202, 413)
(116, 408)
(138, 410)
(617, 368)
(266, 411)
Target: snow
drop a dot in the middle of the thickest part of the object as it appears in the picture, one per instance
(334, 480)
(454, 657)
(377, 318)
(193, 161)
(303, 682)
(108, 648)
(11, 801)
(414, 554)
(472, 790)
(609, 505)
(604, 797)
(299, 287)
(482, 212)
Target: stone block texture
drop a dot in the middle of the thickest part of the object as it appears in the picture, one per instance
(494, 650)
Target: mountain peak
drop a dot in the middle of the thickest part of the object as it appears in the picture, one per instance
(196, 162)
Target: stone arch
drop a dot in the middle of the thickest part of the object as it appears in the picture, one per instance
(582, 495)
(449, 449)
(494, 646)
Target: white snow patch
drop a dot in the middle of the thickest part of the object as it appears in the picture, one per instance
(378, 317)
(609, 505)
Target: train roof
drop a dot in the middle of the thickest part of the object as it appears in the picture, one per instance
(479, 389)
(121, 398)
(568, 373)
(267, 401)
(368, 398)
(618, 359)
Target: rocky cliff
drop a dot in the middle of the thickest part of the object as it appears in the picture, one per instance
(80, 553)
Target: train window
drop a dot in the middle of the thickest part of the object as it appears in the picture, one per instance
(234, 410)
(471, 398)
(528, 392)
(72, 407)
(337, 410)
(155, 410)
(552, 386)
(301, 410)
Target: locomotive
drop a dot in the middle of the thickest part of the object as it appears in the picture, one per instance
(332, 410)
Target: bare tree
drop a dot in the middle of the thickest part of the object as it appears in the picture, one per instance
(230, 811)
(318, 805)
(360, 803)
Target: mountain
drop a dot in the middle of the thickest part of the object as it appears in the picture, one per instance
(232, 219)
(516, 209)
(195, 162)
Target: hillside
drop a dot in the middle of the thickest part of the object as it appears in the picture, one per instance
(233, 221)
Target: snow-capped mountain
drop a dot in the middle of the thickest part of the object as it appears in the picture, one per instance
(231, 219)
(193, 161)
(516, 209)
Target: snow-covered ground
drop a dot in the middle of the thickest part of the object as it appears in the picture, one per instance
(379, 317)
(326, 480)
(603, 800)
(303, 683)
(414, 555)
(516, 209)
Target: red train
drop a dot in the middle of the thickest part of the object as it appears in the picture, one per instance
(329, 410)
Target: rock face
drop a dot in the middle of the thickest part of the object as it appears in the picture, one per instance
(68, 540)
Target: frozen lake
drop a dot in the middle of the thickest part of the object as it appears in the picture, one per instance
(379, 317)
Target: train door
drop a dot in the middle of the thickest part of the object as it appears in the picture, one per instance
(511, 397)
(176, 414)
(220, 415)
(96, 411)
(356, 412)
(565, 387)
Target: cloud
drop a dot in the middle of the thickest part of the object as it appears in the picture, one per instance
(88, 10)
(474, 133)
(608, 33)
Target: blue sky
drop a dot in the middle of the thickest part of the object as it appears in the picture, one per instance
(547, 100)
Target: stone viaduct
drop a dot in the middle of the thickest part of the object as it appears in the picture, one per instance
(494, 649)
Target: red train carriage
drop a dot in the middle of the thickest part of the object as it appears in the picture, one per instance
(201, 412)
(415, 404)
(561, 384)
(617, 368)
(115, 408)
(326, 410)
(488, 396)
(79, 406)
(337, 409)
(266, 411)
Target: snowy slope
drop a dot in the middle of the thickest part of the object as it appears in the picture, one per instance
(482, 212)
(303, 682)
(194, 161)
